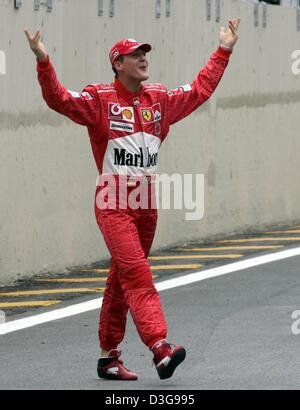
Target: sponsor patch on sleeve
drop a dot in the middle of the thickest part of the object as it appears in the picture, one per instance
(84, 94)
(186, 88)
(74, 94)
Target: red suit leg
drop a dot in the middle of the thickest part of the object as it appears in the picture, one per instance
(129, 235)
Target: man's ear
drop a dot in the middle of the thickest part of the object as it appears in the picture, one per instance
(117, 65)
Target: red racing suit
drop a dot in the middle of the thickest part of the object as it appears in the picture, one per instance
(126, 131)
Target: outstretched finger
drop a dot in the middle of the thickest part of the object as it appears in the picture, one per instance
(232, 28)
(237, 23)
(28, 35)
(37, 36)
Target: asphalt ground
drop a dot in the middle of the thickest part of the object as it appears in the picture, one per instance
(237, 330)
(43, 292)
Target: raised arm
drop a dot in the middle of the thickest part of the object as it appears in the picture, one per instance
(184, 100)
(83, 108)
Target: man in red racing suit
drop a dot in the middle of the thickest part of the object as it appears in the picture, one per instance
(127, 122)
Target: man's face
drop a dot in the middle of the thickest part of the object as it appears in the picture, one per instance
(134, 65)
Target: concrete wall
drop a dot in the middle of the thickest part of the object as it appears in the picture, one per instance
(245, 139)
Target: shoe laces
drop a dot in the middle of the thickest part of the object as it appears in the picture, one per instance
(119, 361)
(117, 356)
(170, 344)
(167, 345)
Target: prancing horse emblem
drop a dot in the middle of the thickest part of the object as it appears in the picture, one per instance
(147, 115)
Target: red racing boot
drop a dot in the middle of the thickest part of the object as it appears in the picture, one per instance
(167, 358)
(112, 368)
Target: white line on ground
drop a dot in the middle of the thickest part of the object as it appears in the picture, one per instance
(94, 304)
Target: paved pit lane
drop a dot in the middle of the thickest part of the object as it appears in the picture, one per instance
(238, 329)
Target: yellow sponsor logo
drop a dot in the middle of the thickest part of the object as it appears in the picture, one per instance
(127, 114)
(147, 115)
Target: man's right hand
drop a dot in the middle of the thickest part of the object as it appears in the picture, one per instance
(36, 45)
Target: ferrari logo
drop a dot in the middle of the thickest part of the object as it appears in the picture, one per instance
(147, 115)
